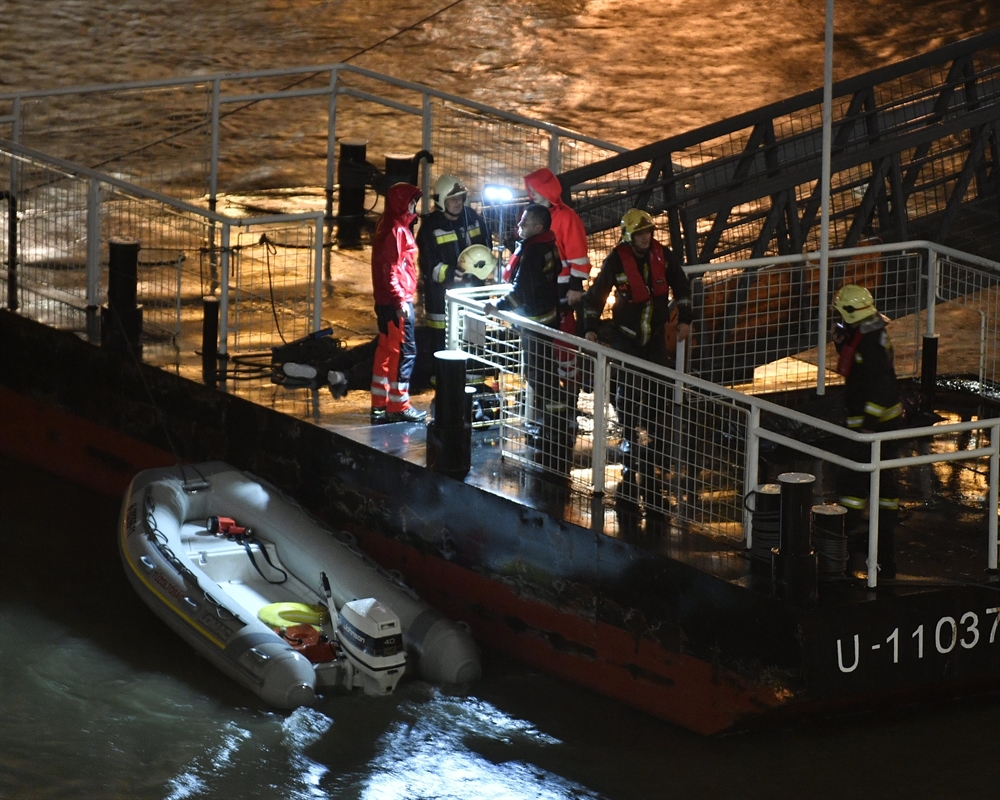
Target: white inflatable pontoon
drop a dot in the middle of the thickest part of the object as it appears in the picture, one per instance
(239, 571)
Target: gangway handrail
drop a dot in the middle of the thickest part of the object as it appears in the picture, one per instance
(813, 97)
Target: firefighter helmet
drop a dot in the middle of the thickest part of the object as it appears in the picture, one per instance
(634, 221)
(448, 186)
(477, 260)
(854, 303)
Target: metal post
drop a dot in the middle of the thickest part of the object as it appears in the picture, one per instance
(932, 277)
(213, 174)
(352, 177)
(224, 299)
(928, 364)
(824, 228)
(210, 340)
(331, 143)
(873, 511)
(426, 142)
(751, 467)
(317, 301)
(555, 158)
(94, 261)
(994, 506)
(13, 303)
(599, 451)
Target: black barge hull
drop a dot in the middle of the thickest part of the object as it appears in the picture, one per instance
(660, 635)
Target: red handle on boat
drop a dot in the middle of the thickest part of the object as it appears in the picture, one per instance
(226, 526)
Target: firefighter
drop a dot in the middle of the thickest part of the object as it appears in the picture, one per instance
(643, 274)
(444, 234)
(872, 403)
(534, 295)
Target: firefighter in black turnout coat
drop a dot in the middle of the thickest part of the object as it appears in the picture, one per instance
(443, 234)
(872, 402)
(644, 274)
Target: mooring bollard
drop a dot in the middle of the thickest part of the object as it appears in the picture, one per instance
(764, 523)
(449, 435)
(352, 177)
(830, 539)
(121, 318)
(794, 560)
(400, 168)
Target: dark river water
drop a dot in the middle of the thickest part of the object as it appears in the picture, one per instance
(99, 700)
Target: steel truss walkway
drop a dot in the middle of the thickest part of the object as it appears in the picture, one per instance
(915, 154)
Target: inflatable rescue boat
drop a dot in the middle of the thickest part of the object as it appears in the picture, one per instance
(280, 603)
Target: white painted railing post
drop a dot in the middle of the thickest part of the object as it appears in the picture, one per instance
(331, 142)
(599, 449)
(873, 511)
(750, 469)
(994, 507)
(224, 294)
(93, 244)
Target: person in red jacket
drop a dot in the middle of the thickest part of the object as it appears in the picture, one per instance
(544, 188)
(394, 282)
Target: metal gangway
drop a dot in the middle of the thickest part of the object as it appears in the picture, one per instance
(915, 154)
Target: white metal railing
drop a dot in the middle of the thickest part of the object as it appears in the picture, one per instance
(66, 214)
(713, 437)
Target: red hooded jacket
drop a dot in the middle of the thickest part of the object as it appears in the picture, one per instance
(571, 236)
(394, 250)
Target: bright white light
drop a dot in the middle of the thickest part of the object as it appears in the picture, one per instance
(494, 193)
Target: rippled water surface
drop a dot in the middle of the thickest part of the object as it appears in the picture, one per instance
(627, 71)
(99, 700)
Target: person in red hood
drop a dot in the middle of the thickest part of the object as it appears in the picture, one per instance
(394, 282)
(543, 187)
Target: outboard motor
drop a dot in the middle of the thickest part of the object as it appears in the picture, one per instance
(371, 638)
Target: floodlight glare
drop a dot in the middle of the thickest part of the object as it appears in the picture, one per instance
(494, 193)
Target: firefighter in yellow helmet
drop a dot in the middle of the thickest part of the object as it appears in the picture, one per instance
(645, 276)
(872, 403)
(444, 234)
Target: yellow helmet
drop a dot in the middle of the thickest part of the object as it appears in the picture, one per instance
(636, 220)
(854, 303)
(448, 186)
(477, 260)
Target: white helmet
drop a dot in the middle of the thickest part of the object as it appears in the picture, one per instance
(477, 260)
(448, 186)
